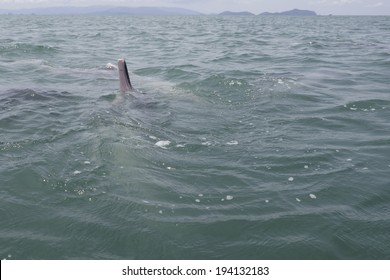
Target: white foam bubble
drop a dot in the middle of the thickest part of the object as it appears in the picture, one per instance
(76, 172)
(87, 162)
(232, 143)
(110, 66)
(163, 144)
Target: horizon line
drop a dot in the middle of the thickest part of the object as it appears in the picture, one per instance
(10, 10)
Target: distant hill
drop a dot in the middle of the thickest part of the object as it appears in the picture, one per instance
(229, 13)
(103, 10)
(295, 12)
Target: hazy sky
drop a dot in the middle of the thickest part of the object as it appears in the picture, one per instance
(323, 7)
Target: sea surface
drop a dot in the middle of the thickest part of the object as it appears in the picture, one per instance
(246, 138)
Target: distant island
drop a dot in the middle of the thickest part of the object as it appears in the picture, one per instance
(139, 11)
(295, 12)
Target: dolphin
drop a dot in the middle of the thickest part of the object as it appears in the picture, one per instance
(124, 79)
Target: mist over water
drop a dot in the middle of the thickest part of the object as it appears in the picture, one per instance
(256, 138)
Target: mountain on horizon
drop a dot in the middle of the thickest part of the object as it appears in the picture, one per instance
(229, 13)
(294, 12)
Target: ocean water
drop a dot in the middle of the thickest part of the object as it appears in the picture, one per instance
(247, 138)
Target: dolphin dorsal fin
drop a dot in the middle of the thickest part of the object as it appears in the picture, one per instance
(124, 78)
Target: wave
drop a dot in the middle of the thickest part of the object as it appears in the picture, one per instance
(10, 49)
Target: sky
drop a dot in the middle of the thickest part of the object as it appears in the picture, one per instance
(322, 7)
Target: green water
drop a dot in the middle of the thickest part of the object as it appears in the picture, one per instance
(256, 138)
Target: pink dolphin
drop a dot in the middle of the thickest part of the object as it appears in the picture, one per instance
(124, 79)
